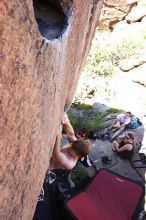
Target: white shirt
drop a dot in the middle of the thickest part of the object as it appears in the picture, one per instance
(122, 119)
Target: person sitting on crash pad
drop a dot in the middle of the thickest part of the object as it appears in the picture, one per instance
(120, 124)
(124, 146)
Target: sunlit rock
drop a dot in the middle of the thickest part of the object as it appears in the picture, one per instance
(41, 60)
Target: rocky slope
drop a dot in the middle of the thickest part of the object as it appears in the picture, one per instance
(115, 11)
(126, 87)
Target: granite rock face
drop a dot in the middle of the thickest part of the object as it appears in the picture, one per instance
(114, 11)
(38, 80)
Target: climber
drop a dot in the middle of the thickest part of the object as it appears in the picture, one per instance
(63, 160)
(66, 157)
(71, 136)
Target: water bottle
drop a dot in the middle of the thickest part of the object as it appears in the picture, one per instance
(141, 215)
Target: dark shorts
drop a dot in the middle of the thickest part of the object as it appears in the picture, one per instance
(48, 207)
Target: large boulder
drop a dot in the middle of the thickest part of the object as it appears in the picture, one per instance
(123, 5)
(138, 75)
(99, 107)
(40, 66)
(136, 14)
(130, 63)
(114, 11)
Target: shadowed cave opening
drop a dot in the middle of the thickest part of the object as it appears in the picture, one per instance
(50, 17)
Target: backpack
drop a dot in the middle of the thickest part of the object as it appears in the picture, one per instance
(134, 123)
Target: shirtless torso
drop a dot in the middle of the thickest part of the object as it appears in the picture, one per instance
(66, 157)
(65, 160)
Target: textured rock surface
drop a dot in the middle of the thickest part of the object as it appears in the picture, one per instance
(138, 75)
(38, 80)
(114, 11)
(136, 14)
(129, 64)
(120, 13)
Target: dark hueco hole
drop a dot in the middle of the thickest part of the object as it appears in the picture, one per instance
(50, 18)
